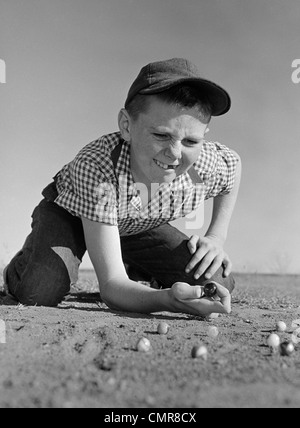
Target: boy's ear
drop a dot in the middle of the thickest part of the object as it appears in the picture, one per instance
(124, 124)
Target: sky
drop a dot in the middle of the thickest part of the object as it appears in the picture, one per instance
(70, 63)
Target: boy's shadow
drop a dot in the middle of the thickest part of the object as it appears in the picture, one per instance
(95, 298)
(83, 297)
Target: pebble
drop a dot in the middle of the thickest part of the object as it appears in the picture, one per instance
(281, 327)
(143, 345)
(200, 351)
(273, 341)
(287, 349)
(213, 332)
(163, 328)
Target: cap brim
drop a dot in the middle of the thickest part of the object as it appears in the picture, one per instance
(218, 97)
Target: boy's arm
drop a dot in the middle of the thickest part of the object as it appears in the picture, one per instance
(223, 209)
(117, 290)
(209, 250)
(120, 293)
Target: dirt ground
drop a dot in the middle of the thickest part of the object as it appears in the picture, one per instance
(82, 354)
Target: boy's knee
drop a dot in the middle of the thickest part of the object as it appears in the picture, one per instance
(227, 282)
(41, 286)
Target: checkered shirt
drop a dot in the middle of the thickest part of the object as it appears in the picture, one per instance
(91, 187)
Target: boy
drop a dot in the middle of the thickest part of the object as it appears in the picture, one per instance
(117, 197)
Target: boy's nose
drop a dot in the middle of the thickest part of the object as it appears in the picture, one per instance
(174, 151)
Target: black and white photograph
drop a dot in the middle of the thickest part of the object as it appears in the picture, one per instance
(149, 223)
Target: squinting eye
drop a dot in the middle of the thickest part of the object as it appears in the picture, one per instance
(191, 142)
(161, 136)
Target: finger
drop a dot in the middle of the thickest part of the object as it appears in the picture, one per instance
(221, 291)
(218, 305)
(204, 265)
(222, 308)
(225, 297)
(183, 291)
(205, 307)
(214, 267)
(198, 256)
(193, 244)
(228, 267)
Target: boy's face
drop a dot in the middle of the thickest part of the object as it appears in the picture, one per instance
(166, 141)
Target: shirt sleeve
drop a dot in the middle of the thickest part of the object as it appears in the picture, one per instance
(217, 168)
(88, 190)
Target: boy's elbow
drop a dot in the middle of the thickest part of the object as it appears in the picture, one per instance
(106, 296)
(237, 157)
(109, 297)
(111, 305)
(239, 161)
(239, 167)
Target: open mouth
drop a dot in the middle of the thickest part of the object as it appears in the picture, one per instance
(165, 166)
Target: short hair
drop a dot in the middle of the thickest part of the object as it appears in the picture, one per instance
(181, 95)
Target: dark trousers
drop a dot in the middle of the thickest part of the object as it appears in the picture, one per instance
(43, 271)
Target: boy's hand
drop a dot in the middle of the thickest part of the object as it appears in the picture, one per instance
(189, 299)
(209, 252)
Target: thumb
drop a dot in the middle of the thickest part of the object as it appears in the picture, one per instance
(228, 266)
(184, 291)
(193, 244)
